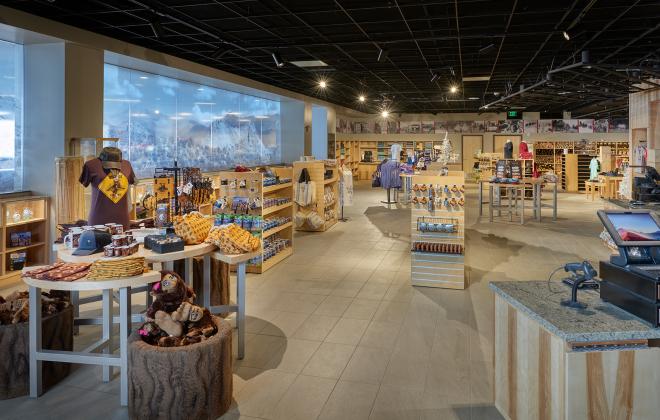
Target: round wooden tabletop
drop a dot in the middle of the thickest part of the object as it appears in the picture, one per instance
(65, 254)
(84, 284)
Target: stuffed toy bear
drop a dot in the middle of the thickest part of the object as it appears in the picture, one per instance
(167, 324)
(169, 293)
(151, 333)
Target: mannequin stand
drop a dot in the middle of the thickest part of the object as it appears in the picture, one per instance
(389, 200)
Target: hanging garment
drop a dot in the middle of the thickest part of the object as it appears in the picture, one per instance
(305, 189)
(346, 190)
(508, 150)
(395, 151)
(594, 165)
(390, 174)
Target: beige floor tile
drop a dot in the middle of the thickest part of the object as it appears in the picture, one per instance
(362, 309)
(304, 399)
(373, 291)
(293, 356)
(259, 350)
(329, 361)
(379, 334)
(368, 365)
(347, 331)
(260, 396)
(350, 401)
(298, 302)
(284, 324)
(347, 288)
(316, 327)
(407, 370)
(333, 306)
(397, 403)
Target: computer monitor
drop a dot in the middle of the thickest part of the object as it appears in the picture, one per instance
(632, 228)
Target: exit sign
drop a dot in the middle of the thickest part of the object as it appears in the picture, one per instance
(513, 115)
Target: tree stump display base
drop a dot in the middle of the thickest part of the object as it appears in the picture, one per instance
(193, 382)
(57, 334)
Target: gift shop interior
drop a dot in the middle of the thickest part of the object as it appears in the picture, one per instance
(330, 209)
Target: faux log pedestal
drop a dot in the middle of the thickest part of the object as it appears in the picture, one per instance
(555, 362)
(190, 382)
(57, 334)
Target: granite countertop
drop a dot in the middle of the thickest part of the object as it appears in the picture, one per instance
(599, 321)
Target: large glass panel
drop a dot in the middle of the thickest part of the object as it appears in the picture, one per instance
(11, 117)
(160, 120)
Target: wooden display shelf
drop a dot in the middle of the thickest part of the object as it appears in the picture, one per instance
(255, 179)
(25, 222)
(21, 248)
(269, 263)
(271, 188)
(271, 232)
(316, 169)
(273, 209)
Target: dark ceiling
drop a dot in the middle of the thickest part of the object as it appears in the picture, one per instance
(515, 42)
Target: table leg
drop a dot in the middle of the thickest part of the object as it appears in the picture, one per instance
(124, 332)
(481, 198)
(490, 202)
(522, 207)
(188, 267)
(498, 197)
(206, 287)
(554, 202)
(509, 191)
(240, 316)
(107, 331)
(539, 195)
(35, 341)
(75, 302)
(168, 265)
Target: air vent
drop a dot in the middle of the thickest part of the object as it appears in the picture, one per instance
(309, 63)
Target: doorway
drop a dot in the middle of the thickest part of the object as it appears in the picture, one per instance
(470, 146)
(500, 139)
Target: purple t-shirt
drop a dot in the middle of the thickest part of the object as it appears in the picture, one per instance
(109, 203)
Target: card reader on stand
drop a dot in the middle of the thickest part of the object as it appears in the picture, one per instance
(631, 280)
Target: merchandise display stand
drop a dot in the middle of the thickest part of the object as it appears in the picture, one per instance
(326, 210)
(26, 216)
(438, 231)
(389, 200)
(250, 185)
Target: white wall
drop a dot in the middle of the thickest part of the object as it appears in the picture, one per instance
(292, 114)
(319, 132)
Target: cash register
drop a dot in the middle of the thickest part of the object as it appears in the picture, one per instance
(631, 279)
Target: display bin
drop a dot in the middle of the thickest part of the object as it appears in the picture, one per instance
(189, 382)
(57, 334)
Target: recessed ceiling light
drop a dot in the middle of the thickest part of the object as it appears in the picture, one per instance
(323, 84)
(361, 98)
(385, 114)
(309, 63)
(453, 89)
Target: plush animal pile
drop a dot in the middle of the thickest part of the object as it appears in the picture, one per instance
(172, 319)
(14, 308)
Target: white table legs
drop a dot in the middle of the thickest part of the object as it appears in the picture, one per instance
(35, 342)
(239, 308)
(87, 356)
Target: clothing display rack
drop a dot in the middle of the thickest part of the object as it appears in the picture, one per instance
(326, 209)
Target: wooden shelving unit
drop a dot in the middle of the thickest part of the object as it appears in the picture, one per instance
(254, 182)
(328, 211)
(23, 213)
(436, 269)
(350, 151)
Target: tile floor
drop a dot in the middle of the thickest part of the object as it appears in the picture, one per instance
(337, 332)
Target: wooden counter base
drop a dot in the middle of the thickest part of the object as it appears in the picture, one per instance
(539, 376)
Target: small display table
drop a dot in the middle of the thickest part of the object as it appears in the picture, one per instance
(88, 355)
(240, 260)
(516, 194)
(611, 185)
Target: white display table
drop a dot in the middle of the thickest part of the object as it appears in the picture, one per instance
(88, 355)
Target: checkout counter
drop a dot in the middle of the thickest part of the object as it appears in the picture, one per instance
(595, 359)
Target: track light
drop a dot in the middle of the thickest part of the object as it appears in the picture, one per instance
(157, 28)
(382, 54)
(567, 37)
(451, 70)
(434, 77)
(277, 58)
(361, 98)
(323, 84)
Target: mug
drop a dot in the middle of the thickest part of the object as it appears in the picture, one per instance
(72, 239)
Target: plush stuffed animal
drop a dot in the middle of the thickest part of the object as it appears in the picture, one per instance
(201, 323)
(169, 341)
(167, 324)
(151, 333)
(169, 294)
